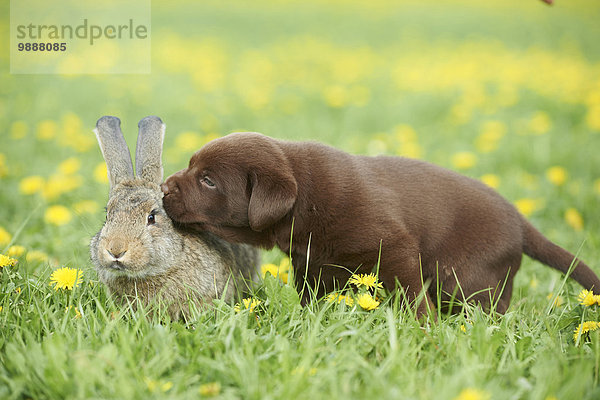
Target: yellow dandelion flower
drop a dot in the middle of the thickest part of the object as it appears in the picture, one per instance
(463, 328)
(57, 215)
(66, 278)
(18, 130)
(302, 371)
(284, 264)
(585, 327)
(529, 206)
(36, 256)
(409, 144)
(367, 280)
(86, 207)
(5, 237)
(534, 283)
(472, 394)
(210, 389)
(461, 113)
(6, 261)
(540, 123)
(464, 160)
(593, 98)
(210, 137)
(336, 96)
(557, 175)
(59, 183)
(528, 181)
(71, 125)
(405, 133)
(248, 304)
(3, 167)
(410, 150)
(587, 298)
(558, 300)
(359, 95)
(490, 136)
(189, 141)
(31, 184)
(151, 384)
(494, 128)
(281, 270)
(155, 386)
(284, 277)
(77, 313)
(269, 268)
(491, 180)
(82, 143)
(338, 298)
(46, 130)
(15, 251)
(367, 302)
(574, 219)
(101, 173)
(1, 308)
(592, 117)
(597, 186)
(70, 166)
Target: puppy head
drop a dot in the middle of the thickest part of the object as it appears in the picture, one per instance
(240, 180)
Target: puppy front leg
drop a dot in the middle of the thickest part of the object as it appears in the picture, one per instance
(310, 283)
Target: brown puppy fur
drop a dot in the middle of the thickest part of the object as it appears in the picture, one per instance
(421, 222)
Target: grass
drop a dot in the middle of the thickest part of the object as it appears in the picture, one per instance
(503, 91)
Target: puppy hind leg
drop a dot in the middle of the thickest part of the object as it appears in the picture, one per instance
(405, 274)
(492, 287)
(504, 290)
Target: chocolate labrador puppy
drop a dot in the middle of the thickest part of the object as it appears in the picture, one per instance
(338, 213)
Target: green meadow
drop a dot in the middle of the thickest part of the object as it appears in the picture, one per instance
(503, 91)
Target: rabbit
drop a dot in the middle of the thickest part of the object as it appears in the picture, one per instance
(139, 253)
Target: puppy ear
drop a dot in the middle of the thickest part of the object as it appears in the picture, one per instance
(273, 196)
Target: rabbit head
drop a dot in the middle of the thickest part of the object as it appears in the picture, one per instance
(138, 239)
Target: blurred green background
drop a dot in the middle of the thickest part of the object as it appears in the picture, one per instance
(505, 91)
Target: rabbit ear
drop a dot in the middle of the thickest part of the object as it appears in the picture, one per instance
(148, 151)
(114, 150)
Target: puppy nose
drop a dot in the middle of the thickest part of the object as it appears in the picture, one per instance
(165, 188)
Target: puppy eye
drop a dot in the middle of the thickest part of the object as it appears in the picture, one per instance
(152, 217)
(206, 180)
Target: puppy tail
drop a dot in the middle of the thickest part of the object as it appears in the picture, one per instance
(538, 247)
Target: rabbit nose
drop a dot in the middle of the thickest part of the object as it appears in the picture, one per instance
(116, 256)
(116, 250)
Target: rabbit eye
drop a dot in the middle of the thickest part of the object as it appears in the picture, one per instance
(152, 217)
